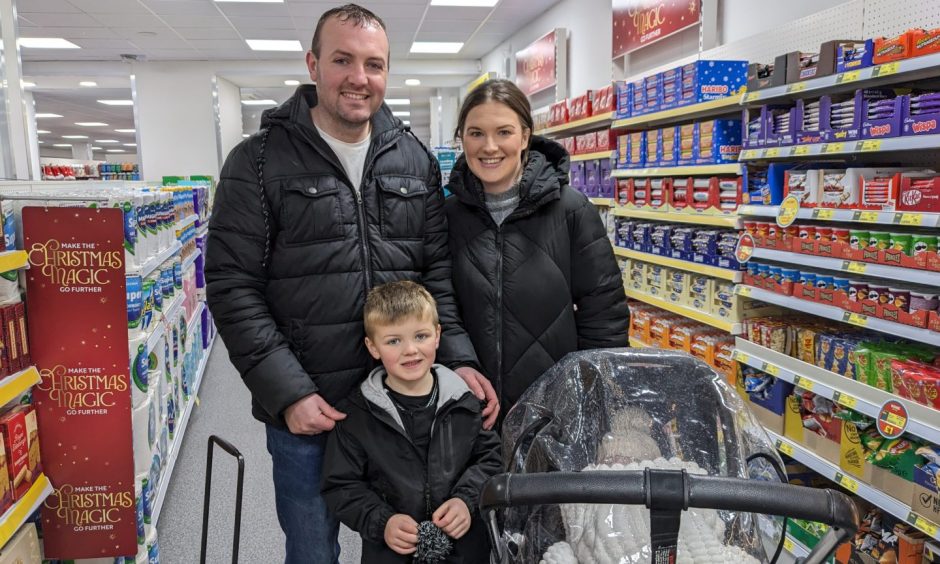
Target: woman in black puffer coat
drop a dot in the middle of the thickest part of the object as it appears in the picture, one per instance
(533, 269)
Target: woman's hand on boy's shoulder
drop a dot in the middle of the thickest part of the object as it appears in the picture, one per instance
(481, 387)
(401, 533)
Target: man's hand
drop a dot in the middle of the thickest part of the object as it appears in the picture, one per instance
(453, 517)
(401, 534)
(482, 389)
(311, 415)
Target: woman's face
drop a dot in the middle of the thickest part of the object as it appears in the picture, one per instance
(493, 141)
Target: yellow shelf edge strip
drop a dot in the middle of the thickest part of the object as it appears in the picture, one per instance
(680, 310)
(22, 509)
(592, 156)
(678, 217)
(13, 260)
(16, 384)
(729, 102)
(713, 271)
(727, 168)
(575, 124)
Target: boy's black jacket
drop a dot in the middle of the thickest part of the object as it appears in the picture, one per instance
(372, 469)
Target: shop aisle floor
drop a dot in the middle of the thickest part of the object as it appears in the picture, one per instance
(225, 410)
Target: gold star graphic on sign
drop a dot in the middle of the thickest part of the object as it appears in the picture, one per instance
(692, 6)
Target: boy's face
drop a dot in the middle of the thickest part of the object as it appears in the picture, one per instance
(407, 349)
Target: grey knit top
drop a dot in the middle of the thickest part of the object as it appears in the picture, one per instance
(502, 204)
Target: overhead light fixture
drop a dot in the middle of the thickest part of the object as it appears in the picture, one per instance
(61, 144)
(41, 131)
(126, 130)
(115, 150)
(103, 141)
(274, 45)
(129, 144)
(74, 137)
(245, 135)
(91, 123)
(291, 83)
(116, 102)
(259, 102)
(401, 114)
(412, 82)
(97, 148)
(88, 83)
(255, 1)
(466, 3)
(406, 122)
(436, 47)
(27, 84)
(40, 142)
(42, 116)
(398, 101)
(46, 43)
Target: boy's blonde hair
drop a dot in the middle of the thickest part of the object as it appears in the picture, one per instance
(395, 301)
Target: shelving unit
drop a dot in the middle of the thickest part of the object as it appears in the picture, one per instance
(638, 344)
(831, 472)
(911, 219)
(592, 156)
(723, 106)
(14, 517)
(723, 324)
(923, 421)
(13, 260)
(697, 170)
(161, 325)
(190, 259)
(186, 222)
(836, 314)
(795, 547)
(713, 271)
(679, 216)
(604, 202)
(866, 146)
(156, 261)
(587, 124)
(855, 267)
(15, 384)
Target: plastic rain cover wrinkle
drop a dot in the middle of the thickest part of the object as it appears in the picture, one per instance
(625, 409)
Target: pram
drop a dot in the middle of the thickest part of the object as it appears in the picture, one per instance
(626, 456)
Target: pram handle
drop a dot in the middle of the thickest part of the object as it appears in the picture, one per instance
(632, 487)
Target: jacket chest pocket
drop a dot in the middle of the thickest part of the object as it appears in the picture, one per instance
(311, 210)
(402, 202)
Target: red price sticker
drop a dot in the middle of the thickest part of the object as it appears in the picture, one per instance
(892, 419)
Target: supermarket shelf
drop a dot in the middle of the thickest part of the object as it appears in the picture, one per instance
(675, 216)
(861, 489)
(169, 314)
(190, 260)
(186, 222)
(795, 547)
(604, 202)
(923, 421)
(14, 517)
(837, 314)
(897, 72)
(720, 107)
(732, 168)
(191, 322)
(723, 324)
(592, 156)
(855, 267)
(638, 344)
(909, 143)
(713, 271)
(156, 261)
(586, 124)
(179, 433)
(15, 384)
(13, 260)
(912, 219)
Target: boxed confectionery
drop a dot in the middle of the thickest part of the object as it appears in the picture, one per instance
(889, 49)
(637, 97)
(883, 117)
(805, 66)
(668, 146)
(919, 192)
(622, 95)
(670, 88)
(921, 113)
(604, 101)
(16, 444)
(717, 141)
(926, 498)
(6, 490)
(576, 175)
(686, 144)
(808, 123)
(579, 107)
(765, 184)
(710, 80)
(23, 548)
(855, 55)
(760, 75)
(783, 123)
(653, 152)
(653, 86)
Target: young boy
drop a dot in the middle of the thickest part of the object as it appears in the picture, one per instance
(412, 447)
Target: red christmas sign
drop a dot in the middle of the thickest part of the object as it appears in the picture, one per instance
(77, 310)
(535, 65)
(637, 23)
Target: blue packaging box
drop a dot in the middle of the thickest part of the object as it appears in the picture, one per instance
(718, 141)
(809, 114)
(926, 123)
(636, 150)
(592, 171)
(576, 174)
(710, 80)
(687, 137)
(765, 186)
(637, 97)
(670, 88)
(622, 90)
(754, 127)
(653, 93)
(607, 181)
(668, 146)
(884, 127)
(855, 56)
(774, 398)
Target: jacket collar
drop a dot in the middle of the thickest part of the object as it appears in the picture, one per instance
(450, 386)
(545, 173)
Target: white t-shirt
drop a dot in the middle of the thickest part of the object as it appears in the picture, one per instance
(351, 155)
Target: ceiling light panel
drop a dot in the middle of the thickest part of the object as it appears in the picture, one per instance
(126, 130)
(436, 47)
(466, 3)
(291, 83)
(46, 43)
(398, 101)
(46, 115)
(88, 83)
(91, 124)
(401, 114)
(116, 102)
(274, 44)
(412, 82)
(259, 102)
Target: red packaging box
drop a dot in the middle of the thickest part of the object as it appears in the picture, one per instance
(10, 339)
(568, 144)
(25, 357)
(604, 101)
(890, 312)
(919, 194)
(4, 354)
(606, 140)
(16, 443)
(805, 292)
(585, 143)
(933, 321)
(925, 41)
(32, 437)
(6, 492)
(889, 49)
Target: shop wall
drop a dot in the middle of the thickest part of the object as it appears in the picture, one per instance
(743, 18)
(122, 158)
(230, 116)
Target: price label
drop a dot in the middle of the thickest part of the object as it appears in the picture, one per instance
(772, 153)
(771, 369)
(823, 214)
(850, 76)
(785, 448)
(922, 524)
(798, 87)
(845, 400)
(799, 151)
(892, 419)
(788, 545)
(833, 147)
(748, 154)
(870, 145)
(865, 216)
(886, 69)
(846, 482)
(787, 211)
(743, 291)
(856, 267)
(804, 383)
(752, 96)
(912, 219)
(855, 319)
(741, 357)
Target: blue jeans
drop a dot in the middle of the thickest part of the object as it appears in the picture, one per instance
(312, 532)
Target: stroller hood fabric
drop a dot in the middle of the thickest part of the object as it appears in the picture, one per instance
(627, 409)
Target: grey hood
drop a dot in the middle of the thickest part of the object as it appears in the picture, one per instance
(450, 386)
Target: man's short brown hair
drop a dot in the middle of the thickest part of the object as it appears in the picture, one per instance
(394, 302)
(350, 12)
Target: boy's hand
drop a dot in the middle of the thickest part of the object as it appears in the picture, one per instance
(401, 534)
(453, 517)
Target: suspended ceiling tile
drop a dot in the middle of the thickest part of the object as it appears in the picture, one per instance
(122, 21)
(451, 13)
(181, 7)
(109, 6)
(166, 42)
(219, 45)
(247, 23)
(47, 6)
(86, 43)
(196, 21)
(174, 55)
(253, 10)
(207, 33)
(60, 20)
(427, 34)
(278, 34)
(70, 33)
(504, 27)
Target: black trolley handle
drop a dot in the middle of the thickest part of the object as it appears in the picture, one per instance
(634, 487)
(227, 447)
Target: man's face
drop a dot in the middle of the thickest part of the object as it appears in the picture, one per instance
(351, 71)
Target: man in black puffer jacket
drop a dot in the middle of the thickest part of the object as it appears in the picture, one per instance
(331, 198)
